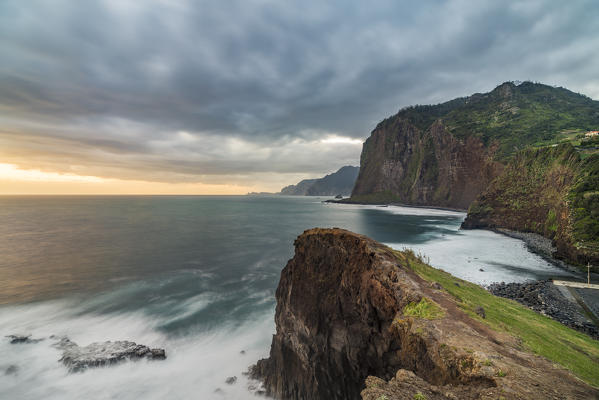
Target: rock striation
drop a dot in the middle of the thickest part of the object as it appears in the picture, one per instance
(79, 358)
(355, 321)
(431, 167)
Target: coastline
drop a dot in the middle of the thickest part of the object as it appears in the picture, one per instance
(536, 243)
(394, 204)
(541, 246)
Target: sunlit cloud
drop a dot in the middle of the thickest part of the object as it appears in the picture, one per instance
(342, 140)
(10, 172)
(179, 92)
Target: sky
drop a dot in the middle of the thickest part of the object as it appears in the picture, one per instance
(227, 97)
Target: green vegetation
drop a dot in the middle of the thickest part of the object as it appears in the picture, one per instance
(551, 221)
(551, 191)
(584, 203)
(419, 396)
(514, 116)
(539, 334)
(425, 308)
(382, 397)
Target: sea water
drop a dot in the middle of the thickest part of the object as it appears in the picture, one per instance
(195, 275)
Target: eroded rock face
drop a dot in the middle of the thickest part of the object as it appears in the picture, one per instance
(340, 319)
(401, 163)
(337, 304)
(79, 358)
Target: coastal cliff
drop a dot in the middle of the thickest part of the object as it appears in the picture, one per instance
(401, 163)
(445, 155)
(550, 191)
(356, 319)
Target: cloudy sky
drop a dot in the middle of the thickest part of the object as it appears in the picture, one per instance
(176, 96)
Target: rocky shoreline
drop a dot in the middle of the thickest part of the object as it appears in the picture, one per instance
(539, 245)
(545, 298)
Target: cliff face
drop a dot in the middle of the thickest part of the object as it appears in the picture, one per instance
(550, 191)
(339, 182)
(401, 163)
(354, 321)
(446, 154)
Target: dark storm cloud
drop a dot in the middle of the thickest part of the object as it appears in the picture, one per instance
(193, 87)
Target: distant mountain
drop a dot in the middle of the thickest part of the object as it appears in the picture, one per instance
(340, 182)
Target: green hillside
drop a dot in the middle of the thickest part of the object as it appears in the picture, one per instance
(515, 116)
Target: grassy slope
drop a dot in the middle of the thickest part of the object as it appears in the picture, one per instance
(539, 334)
(514, 116)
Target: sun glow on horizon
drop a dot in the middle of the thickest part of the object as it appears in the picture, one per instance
(12, 172)
(15, 180)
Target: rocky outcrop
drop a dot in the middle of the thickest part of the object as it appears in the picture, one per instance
(355, 321)
(401, 163)
(340, 182)
(79, 358)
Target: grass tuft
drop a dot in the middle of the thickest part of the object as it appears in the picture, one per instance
(425, 308)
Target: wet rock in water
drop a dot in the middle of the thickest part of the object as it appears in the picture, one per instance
(481, 270)
(11, 370)
(242, 352)
(481, 312)
(158, 354)
(231, 380)
(78, 358)
(15, 339)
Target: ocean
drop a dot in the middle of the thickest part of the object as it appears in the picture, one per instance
(195, 275)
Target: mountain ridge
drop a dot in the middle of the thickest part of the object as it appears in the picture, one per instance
(340, 182)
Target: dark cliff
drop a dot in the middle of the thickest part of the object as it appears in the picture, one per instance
(551, 191)
(446, 154)
(401, 163)
(339, 182)
(355, 320)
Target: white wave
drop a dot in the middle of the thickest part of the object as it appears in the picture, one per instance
(196, 366)
(501, 258)
(403, 210)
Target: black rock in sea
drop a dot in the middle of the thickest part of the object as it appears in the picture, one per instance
(78, 358)
(15, 339)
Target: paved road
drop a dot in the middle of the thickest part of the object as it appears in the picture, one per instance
(591, 299)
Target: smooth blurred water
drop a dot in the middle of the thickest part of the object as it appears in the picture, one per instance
(195, 275)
